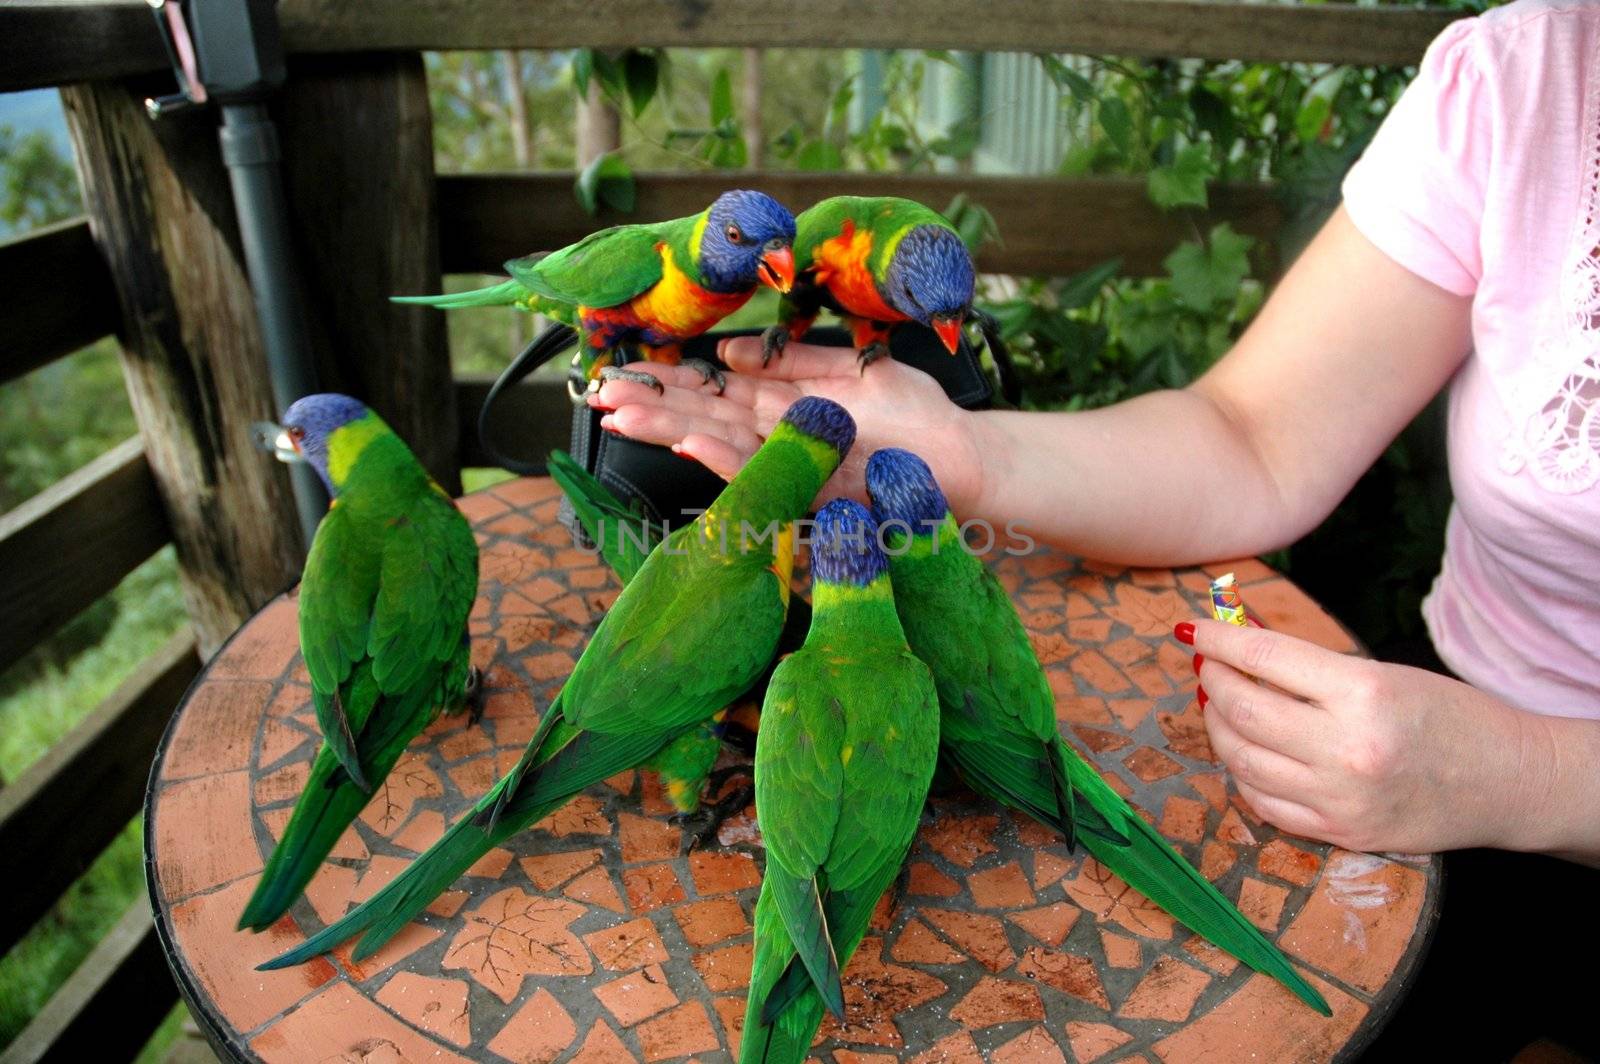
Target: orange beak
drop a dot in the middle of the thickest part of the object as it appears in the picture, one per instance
(777, 268)
(949, 330)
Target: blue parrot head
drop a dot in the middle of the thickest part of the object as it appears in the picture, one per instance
(930, 280)
(825, 420)
(905, 497)
(748, 239)
(844, 545)
(309, 425)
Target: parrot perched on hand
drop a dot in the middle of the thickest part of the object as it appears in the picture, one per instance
(998, 726)
(880, 261)
(696, 625)
(848, 742)
(388, 584)
(648, 286)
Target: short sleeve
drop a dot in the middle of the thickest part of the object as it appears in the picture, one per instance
(1418, 191)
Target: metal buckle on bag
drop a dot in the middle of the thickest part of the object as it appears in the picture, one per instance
(577, 385)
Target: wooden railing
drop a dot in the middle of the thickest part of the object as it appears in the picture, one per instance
(67, 286)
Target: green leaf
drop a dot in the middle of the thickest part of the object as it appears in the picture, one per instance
(582, 69)
(959, 141)
(1117, 123)
(1213, 115)
(1203, 277)
(609, 73)
(1317, 105)
(1183, 182)
(642, 74)
(1080, 289)
(607, 180)
(1064, 77)
(721, 97)
(819, 155)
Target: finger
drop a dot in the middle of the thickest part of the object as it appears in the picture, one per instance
(1264, 716)
(797, 362)
(1303, 669)
(655, 424)
(614, 395)
(1266, 770)
(1285, 814)
(719, 456)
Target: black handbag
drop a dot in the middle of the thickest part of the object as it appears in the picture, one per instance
(665, 487)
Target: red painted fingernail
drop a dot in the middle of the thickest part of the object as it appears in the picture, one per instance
(1199, 660)
(1201, 696)
(609, 424)
(1183, 632)
(681, 453)
(596, 404)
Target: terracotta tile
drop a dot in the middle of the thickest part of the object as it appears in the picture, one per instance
(573, 607)
(1031, 834)
(593, 576)
(1089, 630)
(1263, 1020)
(928, 881)
(512, 935)
(982, 937)
(340, 1024)
(996, 1001)
(1097, 889)
(264, 648)
(515, 733)
(552, 665)
(525, 492)
(1183, 819)
(1233, 829)
(637, 996)
(1067, 972)
(491, 865)
(1098, 673)
(1049, 924)
(1176, 661)
(282, 785)
(1167, 992)
(520, 633)
(467, 742)
(603, 1047)
(547, 871)
(1000, 888)
(875, 993)
(216, 729)
(686, 1029)
(1033, 1046)
(595, 887)
(581, 816)
(507, 704)
(627, 946)
(916, 944)
(722, 873)
(961, 840)
(447, 904)
(329, 891)
(1289, 862)
(1283, 607)
(706, 922)
(731, 1012)
(1129, 650)
(1150, 764)
(1050, 647)
(1218, 960)
(1100, 740)
(393, 800)
(1216, 858)
(727, 968)
(411, 938)
(652, 886)
(215, 849)
(1263, 903)
(1213, 788)
(848, 1056)
(1359, 920)
(438, 1006)
(223, 960)
(1130, 710)
(958, 1048)
(1049, 869)
(1091, 1041)
(1186, 734)
(480, 506)
(1121, 951)
(644, 839)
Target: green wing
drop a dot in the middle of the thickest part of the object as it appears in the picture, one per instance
(428, 582)
(604, 269)
(625, 536)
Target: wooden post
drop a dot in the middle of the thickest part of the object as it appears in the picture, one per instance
(599, 125)
(755, 140)
(357, 138)
(162, 214)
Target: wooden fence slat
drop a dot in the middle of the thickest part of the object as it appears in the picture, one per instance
(109, 1007)
(530, 420)
(45, 43)
(58, 816)
(1048, 225)
(73, 542)
(57, 289)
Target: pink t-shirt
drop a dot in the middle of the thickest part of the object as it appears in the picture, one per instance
(1485, 180)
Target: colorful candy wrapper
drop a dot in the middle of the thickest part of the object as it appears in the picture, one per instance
(1226, 605)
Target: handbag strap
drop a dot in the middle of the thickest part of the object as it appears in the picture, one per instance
(541, 349)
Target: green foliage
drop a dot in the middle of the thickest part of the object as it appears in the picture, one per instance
(37, 185)
(606, 181)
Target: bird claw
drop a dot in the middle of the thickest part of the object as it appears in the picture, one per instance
(702, 826)
(708, 373)
(618, 373)
(872, 353)
(773, 341)
(472, 695)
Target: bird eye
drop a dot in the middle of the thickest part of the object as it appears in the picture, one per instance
(296, 432)
(734, 234)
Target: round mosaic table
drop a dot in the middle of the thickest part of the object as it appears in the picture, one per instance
(592, 938)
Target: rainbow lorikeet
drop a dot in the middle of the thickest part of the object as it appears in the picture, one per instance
(998, 726)
(880, 261)
(649, 287)
(690, 632)
(388, 585)
(846, 752)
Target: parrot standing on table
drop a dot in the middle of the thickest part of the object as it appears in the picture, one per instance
(848, 742)
(998, 725)
(646, 286)
(388, 585)
(880, 261)
(693, 629)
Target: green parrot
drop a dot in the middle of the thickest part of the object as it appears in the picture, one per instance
(388, 585)
(848, 742)
(998, 727)
(647, 286)
(696, 625)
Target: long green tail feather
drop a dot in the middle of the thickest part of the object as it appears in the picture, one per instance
(1151, 866)
(505, 294)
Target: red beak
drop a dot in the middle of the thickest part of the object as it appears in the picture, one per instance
(949, 330)
(777, 268)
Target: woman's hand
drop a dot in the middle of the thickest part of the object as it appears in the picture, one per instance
(1368, 755)
(893, 405)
